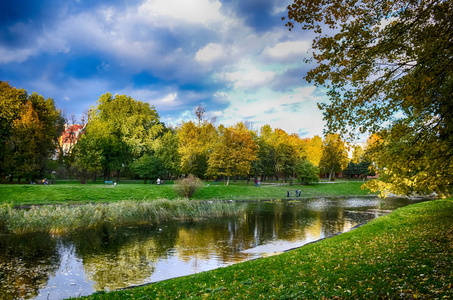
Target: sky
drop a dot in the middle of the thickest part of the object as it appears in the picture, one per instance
(234, 57)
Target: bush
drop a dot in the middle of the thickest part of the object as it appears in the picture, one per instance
(186, 187)
(307, 172)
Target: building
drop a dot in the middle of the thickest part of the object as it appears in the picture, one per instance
(70, 137)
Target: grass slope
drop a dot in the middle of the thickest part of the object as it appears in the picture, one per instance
(406, 254)
(74, 193)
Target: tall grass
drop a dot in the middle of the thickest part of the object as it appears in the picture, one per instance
(58, 219)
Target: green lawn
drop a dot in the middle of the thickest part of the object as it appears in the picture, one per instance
(26, 194)
(406, 254)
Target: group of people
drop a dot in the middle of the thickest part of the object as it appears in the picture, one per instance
(298, 192)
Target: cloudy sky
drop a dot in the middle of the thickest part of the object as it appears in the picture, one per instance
(234, 57)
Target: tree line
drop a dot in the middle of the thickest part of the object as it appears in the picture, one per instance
(125, 137)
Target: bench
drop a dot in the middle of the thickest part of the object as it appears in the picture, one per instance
(109, 182)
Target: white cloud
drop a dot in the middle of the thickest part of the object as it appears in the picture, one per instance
(248, 76)
(193, 11)
(15, 55)
(209, 53)
(169, 99)
(288, 49)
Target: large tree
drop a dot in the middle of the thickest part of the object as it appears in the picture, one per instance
(334, 156)
(195, 145)
(233, 153)
(388, 68)
(30, 127)
(124, 129)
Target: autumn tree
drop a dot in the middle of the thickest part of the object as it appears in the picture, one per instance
(334, 156)
(32, 137)
(233, 153)
(388, 68)
(195, 145)
(11, 101)
(314, 150)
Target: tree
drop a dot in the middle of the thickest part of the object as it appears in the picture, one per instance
(32, 137)
(199, 112)
(124, 130)
(334, 156)
(195, 145)
(388, 68)
(11, 100)
(314, 150)
(233, 153)
(168, 153)
(88, 158)
(307, 172)
(264, 165)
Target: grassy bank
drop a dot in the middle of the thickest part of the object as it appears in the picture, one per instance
(58, 219)
(77, 193)
(406, 254)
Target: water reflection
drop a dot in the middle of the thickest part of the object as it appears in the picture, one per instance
(44, 267)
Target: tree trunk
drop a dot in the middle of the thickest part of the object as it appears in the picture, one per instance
(228, 180)
(331, 174)
(94, 177)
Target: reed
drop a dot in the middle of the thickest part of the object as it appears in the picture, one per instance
(59, 219)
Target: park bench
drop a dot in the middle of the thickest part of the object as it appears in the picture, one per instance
(109, 182)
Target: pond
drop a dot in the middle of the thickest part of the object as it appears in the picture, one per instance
(40, 266)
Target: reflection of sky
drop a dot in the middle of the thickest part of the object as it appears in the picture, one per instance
(69, 280)
(173, 266)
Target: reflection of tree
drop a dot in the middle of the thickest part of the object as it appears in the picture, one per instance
(117, 258)
(226, 239)
(26, 262)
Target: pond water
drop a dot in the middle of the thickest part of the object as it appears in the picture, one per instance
(40, 266)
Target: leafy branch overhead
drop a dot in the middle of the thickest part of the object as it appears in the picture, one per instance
(387, 66)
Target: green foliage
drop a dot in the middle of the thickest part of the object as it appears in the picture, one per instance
(122, 129)
(388, 65)
(166, 150)
(148, 166)
(307, 172)
(186, 187)
(406, 166)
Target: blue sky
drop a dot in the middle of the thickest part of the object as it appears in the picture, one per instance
(234, 57)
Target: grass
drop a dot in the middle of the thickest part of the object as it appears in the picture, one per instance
(406, 254)
(67, 192)
(59, 219)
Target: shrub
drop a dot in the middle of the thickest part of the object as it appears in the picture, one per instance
(186, 187)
